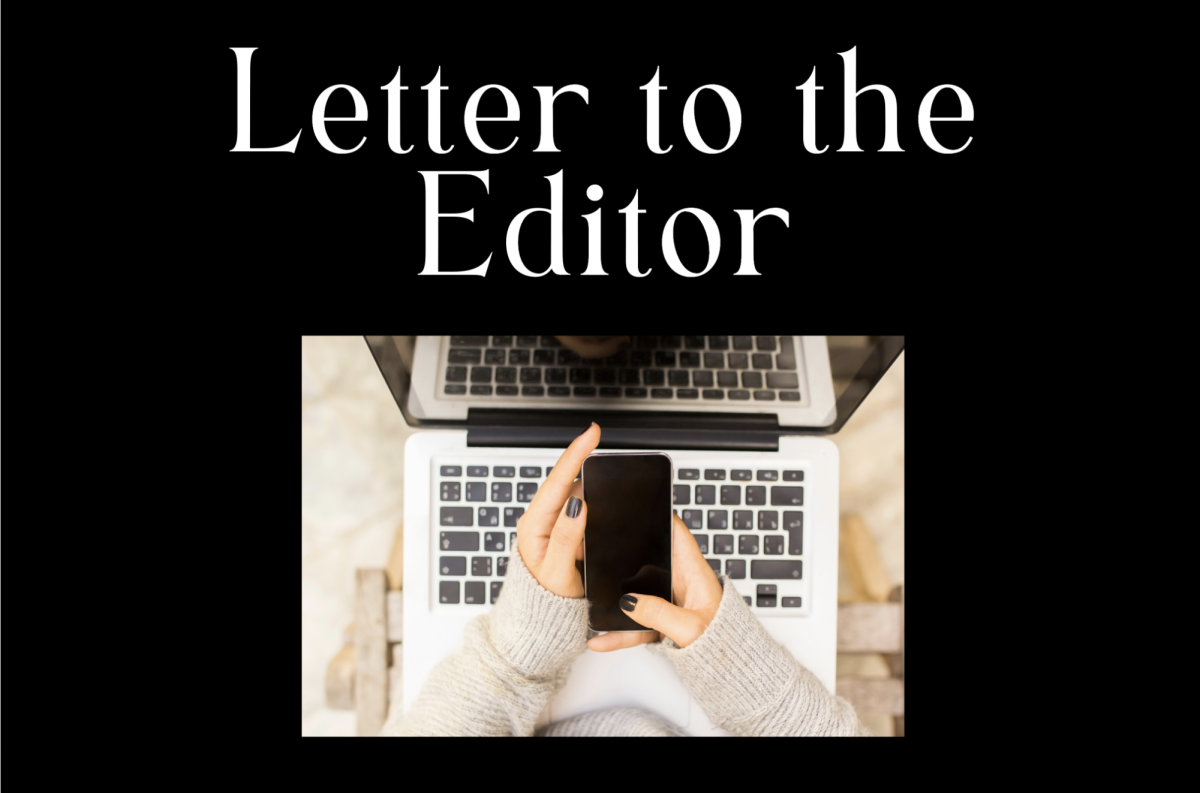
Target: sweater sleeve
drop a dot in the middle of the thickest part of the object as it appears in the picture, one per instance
(751, 685)
(513, 660)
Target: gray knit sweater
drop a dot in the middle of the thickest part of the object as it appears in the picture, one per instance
(517, 656)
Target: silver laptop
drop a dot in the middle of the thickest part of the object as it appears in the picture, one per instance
(760, 497)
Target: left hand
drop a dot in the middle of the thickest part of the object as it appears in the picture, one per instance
(549, 540)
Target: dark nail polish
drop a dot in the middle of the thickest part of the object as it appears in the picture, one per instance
(573, 507)
(628, 602)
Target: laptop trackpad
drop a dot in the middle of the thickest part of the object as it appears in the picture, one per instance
(624, 678)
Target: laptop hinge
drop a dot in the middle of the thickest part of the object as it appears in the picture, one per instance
(555, 429)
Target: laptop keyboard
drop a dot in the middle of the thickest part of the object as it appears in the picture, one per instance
(687, 368)
(748, 520)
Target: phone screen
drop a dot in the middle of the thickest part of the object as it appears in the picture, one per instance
(627, 544)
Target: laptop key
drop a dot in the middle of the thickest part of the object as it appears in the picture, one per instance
(791, 603)
(473, 592)
(477, 470)
(468, 341)
(481, 374)
(773, 545)
(457, 516)
(496, 585)
(512, 540)
(653, 377)
(543, 357)
(752, 379)
(481, 565)
(731, 495)
(605, 376)
(448, 591)
(702, 379)
(451, 470)
(702, 541)
(761, 360)
(743, 342)
(738, 360)
(714, 360)
(712, 474)
(452, 565)
(768, 476)
(768, 520)
(533, 390)
(502, 564)
(789, 396)
(727, 379)
(793, 476)
(556, 376)
(671, 342)
(456, 389)
(506, 374)
(559, 390)
(550, 341)
(766, 589)
(756, 495)
(689, 360)
(518, 357)
(493, 541)
(718, 342)
(677, 377)
(501, 492)
(630, 377)
(512, 515)
(793, 524)
(693, 518)
(464, 356)
(749, 600)
(635, 393)
(748, 544)
(766, 601)
(739, 394)
(494, 356)
(502, 341)
(706, 494)
(585, 390)
(743, 519)
(568, 358)
(681, 495)
(765, 395)
(476, 491)
(787, 496)
(456, 374)
(688, 473)
(507, 390)
(664, 359)
(531, 472)
(735, 568)
(660, 393)
(766, 343)
(786, 359)
(714, 393)
(640, 358)
(481, 390)
(610, 391)
(718, 519)
(451, 491)
(531, 375)
(715, 564)
(740, 475)
(459, 540)
(489, 516)
(722, 543)
(647, 342)
(776, 568)
(527, 341)
(526, 491)
(580, 376)
(687, 393)
(783, 380)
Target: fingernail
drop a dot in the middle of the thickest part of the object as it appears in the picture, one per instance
(573, 507)
(628, 602)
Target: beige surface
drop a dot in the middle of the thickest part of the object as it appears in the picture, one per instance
(352, 486)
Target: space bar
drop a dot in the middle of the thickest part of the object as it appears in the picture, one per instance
(765, 568)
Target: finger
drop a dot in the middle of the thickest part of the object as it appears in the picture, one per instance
(550, 497)
(606, 643)
(692, 578)
(682, 626)
(595, 346)
(567, 535)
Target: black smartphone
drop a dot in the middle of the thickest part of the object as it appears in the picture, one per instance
(627, 544)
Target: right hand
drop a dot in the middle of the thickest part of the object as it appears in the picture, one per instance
(696, 589)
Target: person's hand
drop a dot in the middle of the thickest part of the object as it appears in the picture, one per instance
(696, 589)
(595, 346)
(548, 538)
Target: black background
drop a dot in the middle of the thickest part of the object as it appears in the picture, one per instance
(865, 227)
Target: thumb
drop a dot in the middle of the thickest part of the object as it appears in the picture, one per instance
(679, 625)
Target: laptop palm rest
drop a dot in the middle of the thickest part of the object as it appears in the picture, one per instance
(624, 678)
